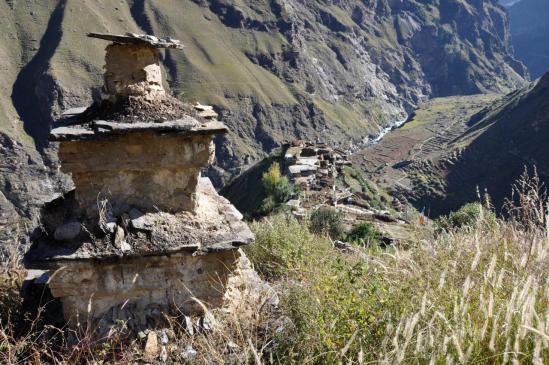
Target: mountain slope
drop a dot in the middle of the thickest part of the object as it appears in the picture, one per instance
(502, 141)
(486, 151)
(530, 30)
(274, 69)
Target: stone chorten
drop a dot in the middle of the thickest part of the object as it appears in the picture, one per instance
(142, 233)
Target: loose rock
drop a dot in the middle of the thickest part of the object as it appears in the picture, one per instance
(189, 353)
(206, 323)
(143, 223)
(164, 337)
(189, 326)
(151, 347)
(110, 227)
(125, 246)
(163, 354)
(119, 237)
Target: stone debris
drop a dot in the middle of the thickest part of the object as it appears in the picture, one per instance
(164, 338)
(206, 323)
(212, 227)
(189, 328)
(119, 236)
(189, 354)
(163, 354)
(125, 247)
(109, 227)
(141, 221)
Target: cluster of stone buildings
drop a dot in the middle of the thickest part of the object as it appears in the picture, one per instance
(313, 166)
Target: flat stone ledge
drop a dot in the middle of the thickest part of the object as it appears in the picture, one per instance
(72, 112)
(101, 129)
(139, 39)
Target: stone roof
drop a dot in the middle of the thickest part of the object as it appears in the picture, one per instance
(101, 129)
(139, 39)
(76, 124)
(215, 226)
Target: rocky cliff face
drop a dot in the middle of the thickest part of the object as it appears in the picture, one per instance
(530, 30)
(274, 70)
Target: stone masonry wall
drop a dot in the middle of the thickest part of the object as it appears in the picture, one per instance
(140, 289)
(133, 70)
(143, 170)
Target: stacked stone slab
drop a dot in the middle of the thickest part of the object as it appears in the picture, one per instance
(142, 234)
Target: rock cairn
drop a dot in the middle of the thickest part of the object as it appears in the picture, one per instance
(143, 233)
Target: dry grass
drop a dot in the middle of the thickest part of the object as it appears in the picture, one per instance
(474, 295)
(480, 297)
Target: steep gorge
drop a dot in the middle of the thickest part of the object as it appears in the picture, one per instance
(457, 148)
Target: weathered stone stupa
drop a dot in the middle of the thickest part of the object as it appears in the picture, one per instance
(142, 233)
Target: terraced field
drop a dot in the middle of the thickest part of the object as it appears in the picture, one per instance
(412, 161)
(424, 137)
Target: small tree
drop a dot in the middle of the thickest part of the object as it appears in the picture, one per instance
(466, 217)
(278, 188)
(327, 221)
(271, 178)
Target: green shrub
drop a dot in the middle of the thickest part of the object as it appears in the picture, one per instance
(328, 295)
(268, 205)
(364, 234)
(283, 191)
(327, 221)
(283, 246)
(467, 217)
